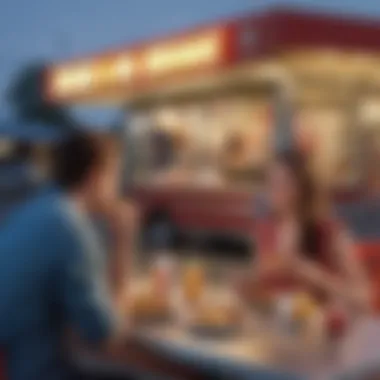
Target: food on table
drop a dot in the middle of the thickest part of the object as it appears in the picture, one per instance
(148, 304)
(298, 312)
(304, 307)
(217, 316)
(193, 282)
(219, 312)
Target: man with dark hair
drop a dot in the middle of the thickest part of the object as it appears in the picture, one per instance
(54, 272)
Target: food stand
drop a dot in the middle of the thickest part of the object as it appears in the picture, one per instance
(218, 99)
(207, 109)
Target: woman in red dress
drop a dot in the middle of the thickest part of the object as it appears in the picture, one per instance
(300, 245)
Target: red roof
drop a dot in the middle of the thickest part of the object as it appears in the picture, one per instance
(294, 29)
(241, 39)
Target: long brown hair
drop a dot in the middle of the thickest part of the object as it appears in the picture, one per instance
(311, 237)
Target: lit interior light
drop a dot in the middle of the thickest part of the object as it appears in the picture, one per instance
(167, 118)
(124, 68)
(370, 112)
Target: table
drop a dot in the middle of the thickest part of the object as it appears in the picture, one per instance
(243, 357)
(272, 355)
(262, 351)
(237, 358)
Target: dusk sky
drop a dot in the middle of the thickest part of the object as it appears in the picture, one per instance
(58, 29)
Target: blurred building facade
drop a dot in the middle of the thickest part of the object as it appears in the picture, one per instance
(226, 96)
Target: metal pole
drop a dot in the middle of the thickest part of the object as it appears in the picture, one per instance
(284, 113)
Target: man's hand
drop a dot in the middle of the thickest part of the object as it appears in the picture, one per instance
(122, 219)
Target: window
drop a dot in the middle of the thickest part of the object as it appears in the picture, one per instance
(214, 141)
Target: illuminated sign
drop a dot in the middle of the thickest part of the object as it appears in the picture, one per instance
(70, 79)
(168, 58)
(66, 79)
(165, 58)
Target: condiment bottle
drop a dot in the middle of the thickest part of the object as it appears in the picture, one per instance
(193, 282)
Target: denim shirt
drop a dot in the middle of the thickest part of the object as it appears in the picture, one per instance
(52, 276)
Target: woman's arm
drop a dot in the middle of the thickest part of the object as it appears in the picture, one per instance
(267, 264)
(253, 282)
(350, 284)
(122, 220)
(353, 273)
